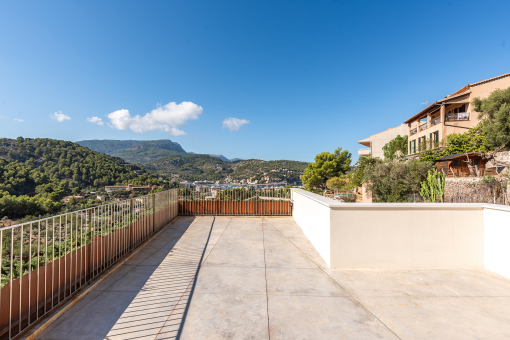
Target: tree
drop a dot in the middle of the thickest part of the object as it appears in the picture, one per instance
(358, 176)
(327, 165)
(396, 147)
(494, 113)
(72, 201)
(393, 180)
(339, 183)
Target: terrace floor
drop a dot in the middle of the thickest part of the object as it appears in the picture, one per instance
(260, 278)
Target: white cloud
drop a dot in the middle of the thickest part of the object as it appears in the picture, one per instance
(18, 120)
(165, 118)
(233, 124)
(60, 117)
(95, 120)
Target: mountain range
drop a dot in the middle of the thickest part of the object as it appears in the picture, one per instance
(139, 151)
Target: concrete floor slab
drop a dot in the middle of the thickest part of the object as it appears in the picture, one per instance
(291, 281)
(224, 316)
(278, 287)
(288, 259)
(232, 257)
(437, 318)
(317, 317)
(231, 280)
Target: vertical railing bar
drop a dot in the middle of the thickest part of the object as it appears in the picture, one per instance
(65, 257)
(46, 266)
(59, 255)
(20, 275)
(76, 252)
(29, 270)
(11, 284)
(1, 260)
(82, 259)
(101, 221)
(38, 266)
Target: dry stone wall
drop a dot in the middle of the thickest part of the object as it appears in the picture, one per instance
(475, 190)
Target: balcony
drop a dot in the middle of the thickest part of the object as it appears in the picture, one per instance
(248, 277)
(414, 131)
(457, 117)
(435, 121)
(365, 152)
(423, 126)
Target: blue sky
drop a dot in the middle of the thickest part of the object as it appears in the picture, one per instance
(308, 76)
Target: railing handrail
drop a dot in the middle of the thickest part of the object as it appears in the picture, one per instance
(78, 211)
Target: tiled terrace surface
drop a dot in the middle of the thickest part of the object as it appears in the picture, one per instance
(261, 279)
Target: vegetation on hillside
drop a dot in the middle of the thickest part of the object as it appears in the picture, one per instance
(204, 167)
(494, 113)
(50, 169)
(395, 180)
(135, 151)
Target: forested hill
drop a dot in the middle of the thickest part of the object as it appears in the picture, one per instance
(135, 151)
(52, 169)
(204, 167)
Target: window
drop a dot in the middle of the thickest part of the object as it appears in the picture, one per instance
(437, 137)
(430, 140)
(410, 147)
(414, 146)
(456, 162)
(476, 162)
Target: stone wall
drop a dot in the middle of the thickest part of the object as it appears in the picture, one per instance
(474, 190)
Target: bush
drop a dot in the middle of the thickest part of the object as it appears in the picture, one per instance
(393, 180)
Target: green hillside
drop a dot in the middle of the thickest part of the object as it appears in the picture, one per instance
(204, 167)
(51, 169)
(135, 151)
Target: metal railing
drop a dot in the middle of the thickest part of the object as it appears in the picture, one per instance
(423, 126)
(240, 200)
(454, 117)
(435, 121)
(45, 262)
(414, 131)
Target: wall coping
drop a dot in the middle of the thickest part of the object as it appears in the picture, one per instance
(336, 205)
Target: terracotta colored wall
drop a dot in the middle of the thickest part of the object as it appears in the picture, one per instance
(235, 208)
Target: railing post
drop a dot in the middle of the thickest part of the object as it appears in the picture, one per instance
(91, 265)
(153, 212)
(131, 224)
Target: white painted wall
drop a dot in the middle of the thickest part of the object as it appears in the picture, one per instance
(406, 235)
(496, 222)
(314, 219)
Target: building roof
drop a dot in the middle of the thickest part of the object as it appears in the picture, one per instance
(457, 155)
(461, 92)
(490, 79)
(438, 102)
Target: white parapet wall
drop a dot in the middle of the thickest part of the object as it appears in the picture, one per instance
(405, 235)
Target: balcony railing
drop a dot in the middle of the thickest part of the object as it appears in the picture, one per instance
(45, 262)
(435, 121)
(456, 117)
(414, 131)
(423, 126)
(243, 200)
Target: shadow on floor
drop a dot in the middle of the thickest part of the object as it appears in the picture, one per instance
(147, 297)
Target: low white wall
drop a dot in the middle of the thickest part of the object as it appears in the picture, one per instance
(496, 224)
(314, 219)
(405, 235)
